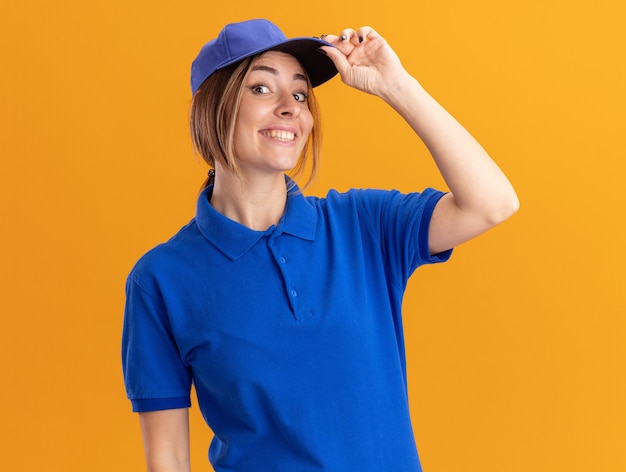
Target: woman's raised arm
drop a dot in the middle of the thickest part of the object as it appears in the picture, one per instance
(480, 194)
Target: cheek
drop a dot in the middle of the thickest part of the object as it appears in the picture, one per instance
(307, 122)
(243, 128)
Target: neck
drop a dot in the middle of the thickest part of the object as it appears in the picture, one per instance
(257, 205)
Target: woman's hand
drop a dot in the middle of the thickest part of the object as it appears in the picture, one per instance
(365, 61)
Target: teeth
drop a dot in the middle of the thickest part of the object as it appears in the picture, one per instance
(279, 134)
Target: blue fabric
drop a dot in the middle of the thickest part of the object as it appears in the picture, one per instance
(292, 336)
(244, 39)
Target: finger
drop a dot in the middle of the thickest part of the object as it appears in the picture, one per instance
(346, 41)
(331, 39)
(349, 36)
(344, 46)
(366, 33)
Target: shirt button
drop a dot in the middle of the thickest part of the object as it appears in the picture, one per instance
(294, 293)
(283, 260)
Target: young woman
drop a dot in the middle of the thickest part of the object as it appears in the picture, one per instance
(284, 311)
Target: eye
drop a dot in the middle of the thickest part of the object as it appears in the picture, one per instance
(260, 89)
(300, 97)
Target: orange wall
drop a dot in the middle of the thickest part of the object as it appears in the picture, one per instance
(516, 346)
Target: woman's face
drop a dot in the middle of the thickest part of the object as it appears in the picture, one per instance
(274, 121)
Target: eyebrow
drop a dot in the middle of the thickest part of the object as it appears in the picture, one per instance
(271, 70)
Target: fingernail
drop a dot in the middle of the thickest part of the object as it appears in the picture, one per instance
(360, 39)
(343, 37)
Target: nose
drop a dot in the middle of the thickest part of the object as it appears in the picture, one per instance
(287, 107)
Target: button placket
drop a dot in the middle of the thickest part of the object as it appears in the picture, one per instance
(284, 270)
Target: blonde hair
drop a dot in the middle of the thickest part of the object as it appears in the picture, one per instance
(213, 114)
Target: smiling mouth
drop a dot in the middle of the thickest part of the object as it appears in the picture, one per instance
(279, 134)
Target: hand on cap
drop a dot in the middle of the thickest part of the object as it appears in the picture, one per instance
(364, 60)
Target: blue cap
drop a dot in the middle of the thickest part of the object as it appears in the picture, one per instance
(240, 40)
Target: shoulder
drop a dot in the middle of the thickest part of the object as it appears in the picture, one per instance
(335, 199)
(166, 257)
(378, 201)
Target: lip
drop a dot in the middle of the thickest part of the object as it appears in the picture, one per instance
(289, 129)
(266, 133)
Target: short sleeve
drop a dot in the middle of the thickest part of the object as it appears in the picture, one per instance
(402, 222)
(155, 376)
(430, 199)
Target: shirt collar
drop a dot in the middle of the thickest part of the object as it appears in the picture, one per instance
(234, 239)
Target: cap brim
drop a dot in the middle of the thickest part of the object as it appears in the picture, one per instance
(318, 66)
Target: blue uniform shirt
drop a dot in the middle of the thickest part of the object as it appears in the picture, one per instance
(292, 336)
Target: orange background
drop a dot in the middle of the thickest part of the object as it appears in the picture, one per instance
(516, 346)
